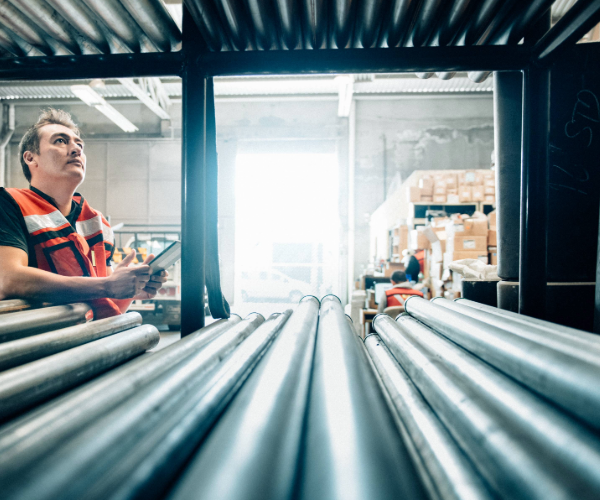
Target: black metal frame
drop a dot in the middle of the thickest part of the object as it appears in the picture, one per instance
(195, 66)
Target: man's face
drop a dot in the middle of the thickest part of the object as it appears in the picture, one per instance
(61, 156)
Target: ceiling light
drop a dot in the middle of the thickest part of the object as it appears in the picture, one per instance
(95, 100)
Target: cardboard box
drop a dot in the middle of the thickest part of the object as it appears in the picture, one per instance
(439, 222)
(478, 194)
(439, 189)
(452, 198)
(426, 198)
(489, 190)
(451, 190)
(401, 236)
(418, 240)
(451, 257)
(439, 198)
(451, 181)
(489, 182)
(414, 194)
(469, 178)
(488, 198)
(475, 227)
(465, 193)
(492, 238)
(493, 256)
(470, 243)
(439, 177)
(492, 219)
(426, 185)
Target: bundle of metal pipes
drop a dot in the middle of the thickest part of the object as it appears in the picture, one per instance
(449, 401)
(494, 404)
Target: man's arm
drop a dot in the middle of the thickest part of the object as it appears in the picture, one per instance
(17, 280)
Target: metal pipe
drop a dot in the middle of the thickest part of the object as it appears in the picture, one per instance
(314, 22)
(69, 470)
(13, 305)
(572, 382)
(478, 22)
(118, 20)
(576, 339)
(206, 22)
(193, 186)
(24, 324)
(234, 18)
(8, 43)
(401, 16)
(19, 352)
(459, 13)
(14, 20)
(534, 192)
(154, 19)
(427, 16)
(79, 16)
(26, 439)
(149, 469)
(259, 439)
(264, 24)
(522, 446)
(50, 21)
(348, 421)
(369, 22)
(289, 13)
(569, 29)
(24, 386)
(342, 16)
(443, 467)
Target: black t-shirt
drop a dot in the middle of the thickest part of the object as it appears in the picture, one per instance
(13, 231)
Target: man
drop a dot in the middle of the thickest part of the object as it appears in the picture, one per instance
(54, 247)
(400, 291)
(412, 268)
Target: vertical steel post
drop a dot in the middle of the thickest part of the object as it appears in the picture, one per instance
(193, 183)
(534, 191)
(508, 117)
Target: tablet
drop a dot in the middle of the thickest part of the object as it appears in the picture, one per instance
(166, 258)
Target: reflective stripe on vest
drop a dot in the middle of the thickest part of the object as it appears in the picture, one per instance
(397, 296)
(61, 249)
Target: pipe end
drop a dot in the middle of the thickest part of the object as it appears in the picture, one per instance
(306, 297)
(330, 296)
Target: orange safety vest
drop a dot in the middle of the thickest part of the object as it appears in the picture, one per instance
(60, 249)
(397, 296)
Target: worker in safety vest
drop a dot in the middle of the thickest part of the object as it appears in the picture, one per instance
(400, 291)
(54, 246)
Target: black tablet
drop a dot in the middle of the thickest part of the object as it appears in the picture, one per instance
(166, 258)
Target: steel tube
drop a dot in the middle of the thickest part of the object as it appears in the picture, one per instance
(569, 336)
(30, 384)
(443, 467)
(193, 210)
(206, 21)
(291, 29)
(575, 342)
(401, 16)
(16, 21)
(258, 440)
(147, 470)
(19, 352)
(534, 192)
(524, 447)
(571, 382)
(69, 470)
(154, 19)
(13, 305)
(25, 440)
(348, 422)
(24, 324)
(314, 17)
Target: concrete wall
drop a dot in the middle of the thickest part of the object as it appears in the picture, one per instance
(136, 178)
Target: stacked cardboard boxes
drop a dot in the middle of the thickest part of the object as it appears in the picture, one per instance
(465, 187)
(493, 239)
(466, 238)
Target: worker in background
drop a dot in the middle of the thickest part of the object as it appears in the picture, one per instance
(400, 291)
(54, 247)
(412, 268)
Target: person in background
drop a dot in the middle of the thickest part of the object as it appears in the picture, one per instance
(54, 247)
(412, 268)
(400, 291)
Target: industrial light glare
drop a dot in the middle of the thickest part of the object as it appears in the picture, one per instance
(93, 99)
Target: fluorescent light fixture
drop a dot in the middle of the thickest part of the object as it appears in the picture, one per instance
(92, 98)
(143, 96)
(345, 94)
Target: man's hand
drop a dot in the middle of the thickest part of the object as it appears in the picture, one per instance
(127, 282)
(154, 283)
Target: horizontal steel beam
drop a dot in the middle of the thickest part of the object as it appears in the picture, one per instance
(387, 60)
(91, 66)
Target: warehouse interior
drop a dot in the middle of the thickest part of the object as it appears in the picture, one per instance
(304, 153)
